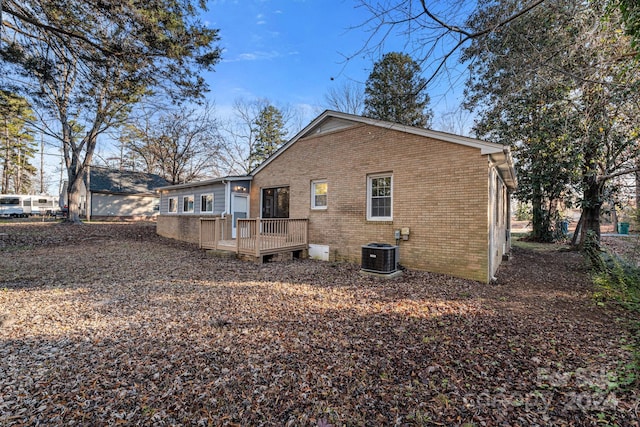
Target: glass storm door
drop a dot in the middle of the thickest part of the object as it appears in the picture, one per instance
(239, 209)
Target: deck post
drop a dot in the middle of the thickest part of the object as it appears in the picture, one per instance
(216, 233)
(238, 236)
(257, 231)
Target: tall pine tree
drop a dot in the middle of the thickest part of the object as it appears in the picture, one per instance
(16, 144)
(270, 134)
(86, 64)
(396, 92)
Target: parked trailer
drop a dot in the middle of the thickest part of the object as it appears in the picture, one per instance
(22, 205)
(15, 205)
(44, 205)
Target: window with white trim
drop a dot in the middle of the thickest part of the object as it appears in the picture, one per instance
(319, 194)
(380, 197)
(173, 205)
(206, 203)
(187, 204)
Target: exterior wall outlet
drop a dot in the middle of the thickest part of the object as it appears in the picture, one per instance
(405, 233)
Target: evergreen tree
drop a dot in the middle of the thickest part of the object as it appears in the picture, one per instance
(395, 92)
(270, 134)
(17, 146)
(85, 64)
(558, 85)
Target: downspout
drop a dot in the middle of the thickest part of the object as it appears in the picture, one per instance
(227, 197)
(507, 153)
(88, 202)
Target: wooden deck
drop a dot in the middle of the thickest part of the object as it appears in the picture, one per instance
(255, 237)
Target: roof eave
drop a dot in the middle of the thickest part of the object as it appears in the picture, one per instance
(503, 161)
(486, 148)
(205, 182)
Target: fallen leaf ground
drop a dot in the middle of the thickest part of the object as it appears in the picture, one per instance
(107, 324)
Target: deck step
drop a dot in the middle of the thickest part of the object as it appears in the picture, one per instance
(221, 253)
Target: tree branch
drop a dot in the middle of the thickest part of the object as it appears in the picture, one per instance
(56, 30)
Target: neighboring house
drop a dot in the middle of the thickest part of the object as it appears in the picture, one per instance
(356, 181)
(118, 194)
(183, 205)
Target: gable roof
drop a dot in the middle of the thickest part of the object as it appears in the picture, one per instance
(331, 121)
(105, 180)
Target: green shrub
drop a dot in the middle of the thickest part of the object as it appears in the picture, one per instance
(617, 280)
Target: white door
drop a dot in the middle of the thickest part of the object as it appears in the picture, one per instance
(239, 210)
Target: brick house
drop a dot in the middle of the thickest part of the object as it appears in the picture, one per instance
(349, 181)
(359, 180)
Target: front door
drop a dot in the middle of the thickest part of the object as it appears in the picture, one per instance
(239, 210)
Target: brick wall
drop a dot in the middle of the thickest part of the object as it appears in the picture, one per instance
(440, 191)
(179, 227)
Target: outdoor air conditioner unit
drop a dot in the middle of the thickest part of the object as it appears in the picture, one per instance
(380, 258)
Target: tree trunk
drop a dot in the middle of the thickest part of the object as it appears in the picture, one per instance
(591, 207)
(578, 231)
(540, 222)
(74, 189)
(637, 176)
(5, 166)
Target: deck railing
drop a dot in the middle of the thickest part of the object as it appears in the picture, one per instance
(268, 236)
(255, 236)
(213, 231)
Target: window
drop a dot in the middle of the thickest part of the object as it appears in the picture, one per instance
(380, 197)
(206, 203)
(187, 204)
(275, 202)
(173, 205)
(318, 194)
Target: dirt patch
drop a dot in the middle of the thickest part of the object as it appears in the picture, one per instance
(111, 324)
(627, 247)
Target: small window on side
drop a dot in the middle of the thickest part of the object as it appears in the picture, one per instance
(173, 205)
(206, 203)
(319, 194)
(187, 204)
(380, 197)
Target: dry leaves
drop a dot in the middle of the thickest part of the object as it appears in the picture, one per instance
(110, 324)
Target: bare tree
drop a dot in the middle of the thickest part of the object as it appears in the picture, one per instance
(180, 145)
(346, 98)
(435, 33)
(455, 122)
(239, 135)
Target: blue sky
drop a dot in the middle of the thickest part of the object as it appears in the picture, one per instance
(288, 51)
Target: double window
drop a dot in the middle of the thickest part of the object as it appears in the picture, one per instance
(319, 194)
(380, 197)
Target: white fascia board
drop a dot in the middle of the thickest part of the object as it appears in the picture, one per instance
(205, 182)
